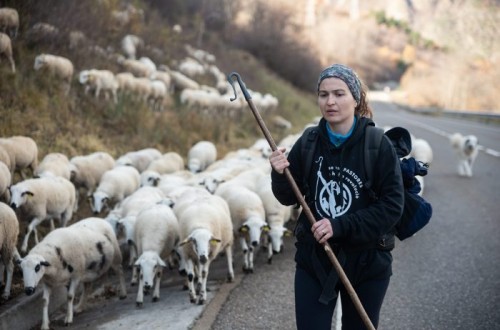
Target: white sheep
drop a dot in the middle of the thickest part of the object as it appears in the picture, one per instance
(219, 172)
(9, 21)
(5, 158)
(122, 18)
(139, 159)
(201, 55)
(59, 66)
(281, 122)
(100, 80)
(163, 76)
(127, 211)
(277, 215)
(206, 229)
(77, 39)
(43, 199)
(130, 43)
(125, 82)
(149, 62)
(169, 162)
(102, 226)
(158, 95)
(54, 164)
(67, 257)
(87, 170)
(42, 32)
(5, 182)
(6, 49)
(156, 236)
(9, 231)
(191, 67)
(248, 216)
(23, 153)
(201, 155)
(142, 88)
(181, 81)
(137, 68)
(115, 184)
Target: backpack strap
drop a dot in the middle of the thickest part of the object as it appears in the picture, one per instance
(310, 136)
(308, 147)
(372, 141)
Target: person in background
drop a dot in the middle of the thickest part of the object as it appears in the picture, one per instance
(356, 225)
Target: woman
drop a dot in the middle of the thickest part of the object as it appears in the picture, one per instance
(355, 224)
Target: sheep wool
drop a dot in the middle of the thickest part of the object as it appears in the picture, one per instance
(9, 230)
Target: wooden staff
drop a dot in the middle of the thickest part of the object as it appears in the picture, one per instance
(305, 208)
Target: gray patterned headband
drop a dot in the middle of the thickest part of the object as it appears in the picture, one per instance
(345, 74)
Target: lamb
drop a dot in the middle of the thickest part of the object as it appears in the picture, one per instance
(87, 170)
(248, 218)
(156, 236)
(23, 153)
(5, 182)
(67, 257)
(100, 80)
(58, 66)
(54, 164)
(205, 229)
(9, 21)
(168, 163)
(9, 231)
(139, 159)
(201, 155)
(6, 49)
(116, 184)
(42, 199)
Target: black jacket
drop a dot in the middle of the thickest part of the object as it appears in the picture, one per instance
(335, 189)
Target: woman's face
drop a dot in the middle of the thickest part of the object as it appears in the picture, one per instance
(337, 104)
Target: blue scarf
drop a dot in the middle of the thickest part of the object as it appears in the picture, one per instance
(338, 139)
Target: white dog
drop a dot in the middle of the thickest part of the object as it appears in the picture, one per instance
(466, 148)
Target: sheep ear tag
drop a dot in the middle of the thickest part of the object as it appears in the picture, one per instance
(214, 241)
(243, 229)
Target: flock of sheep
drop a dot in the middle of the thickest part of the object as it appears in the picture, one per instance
(160, 209)
(140, 78)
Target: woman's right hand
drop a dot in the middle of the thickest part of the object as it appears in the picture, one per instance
(278, 160)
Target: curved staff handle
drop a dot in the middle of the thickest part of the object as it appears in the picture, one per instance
(305, 208)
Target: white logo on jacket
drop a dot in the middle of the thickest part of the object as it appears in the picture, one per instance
(333, 198)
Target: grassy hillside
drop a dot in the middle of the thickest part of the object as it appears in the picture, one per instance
(31, 102)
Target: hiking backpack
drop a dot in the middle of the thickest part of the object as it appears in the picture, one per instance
(417, 211)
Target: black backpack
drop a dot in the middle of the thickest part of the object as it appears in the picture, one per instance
(417, 211)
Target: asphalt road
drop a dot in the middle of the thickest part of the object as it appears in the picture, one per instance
(445, 277)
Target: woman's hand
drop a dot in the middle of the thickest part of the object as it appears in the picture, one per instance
(278, 160)
(322, 230)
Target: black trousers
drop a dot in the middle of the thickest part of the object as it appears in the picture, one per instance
(311, 314)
